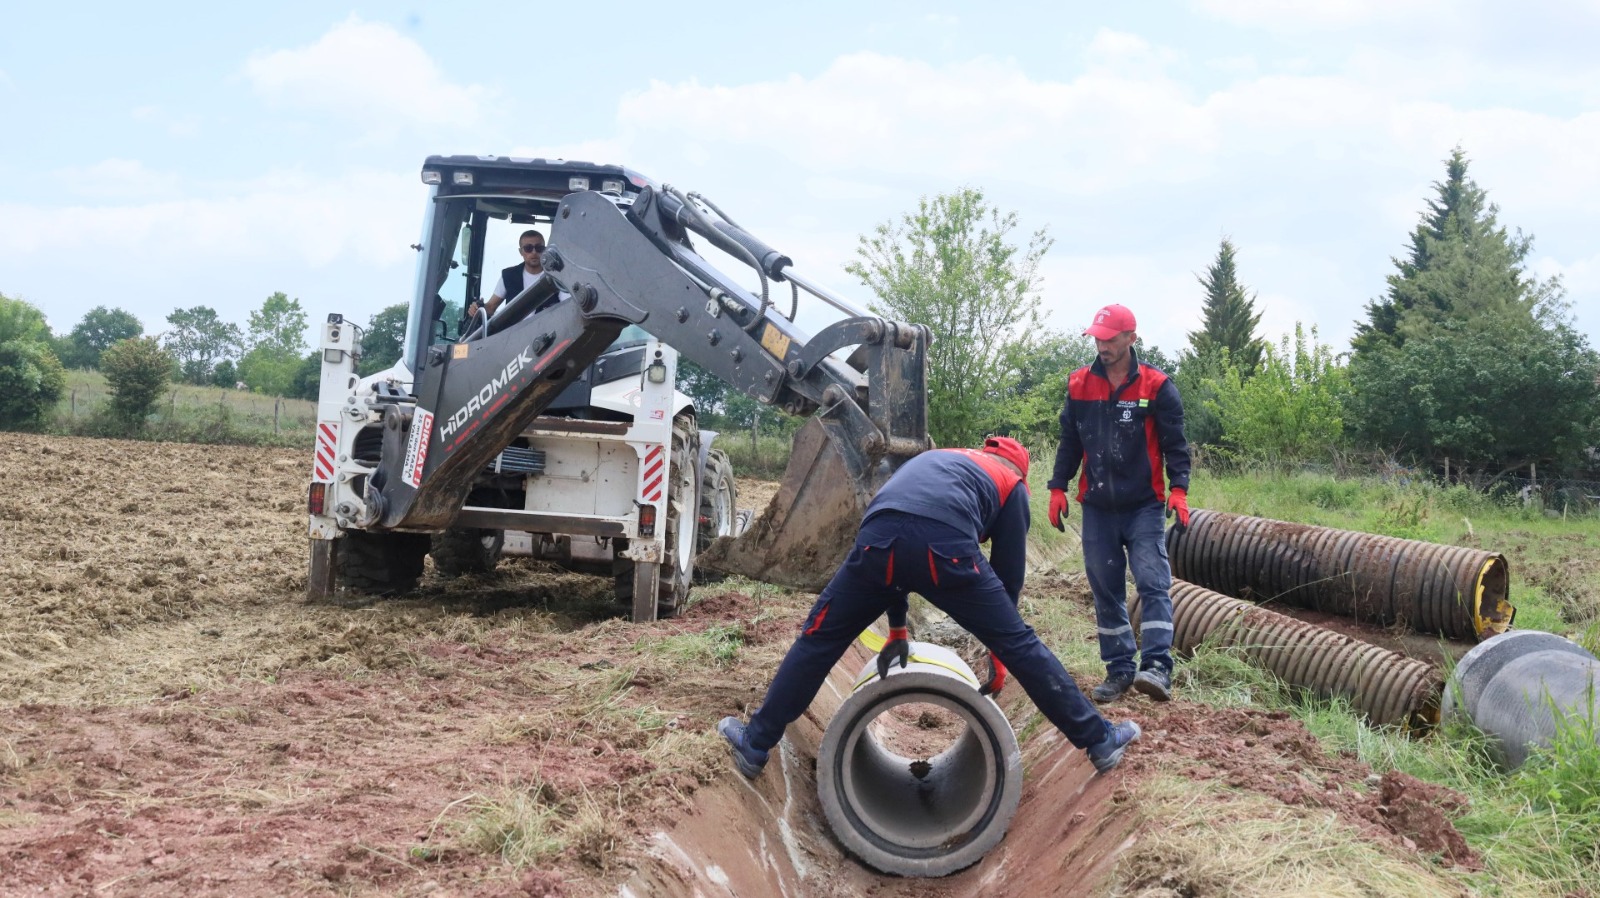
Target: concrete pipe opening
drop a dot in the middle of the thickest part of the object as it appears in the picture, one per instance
(919, 775)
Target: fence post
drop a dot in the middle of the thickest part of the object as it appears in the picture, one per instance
(172, 405)
(277, 405)
(755, 445)
(74, 403)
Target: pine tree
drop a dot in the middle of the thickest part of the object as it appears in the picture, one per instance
(1230, 316)
(1460, 262)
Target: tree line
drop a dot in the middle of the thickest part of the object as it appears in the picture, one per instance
(1468, 363)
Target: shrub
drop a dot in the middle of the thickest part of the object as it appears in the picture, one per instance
(136, 369)
(31, 383)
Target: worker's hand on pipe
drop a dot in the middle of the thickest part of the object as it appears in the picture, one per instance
(997, 677)
(898, 648)
(1059, 509)
(1178, 503)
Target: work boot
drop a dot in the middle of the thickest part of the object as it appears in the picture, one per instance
(748, 760)
(1154, 682)
(1108, 754)
(1113, 687)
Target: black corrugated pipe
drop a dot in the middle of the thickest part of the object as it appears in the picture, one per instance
(1386, 687)
(1454, 591)
(1513, 685)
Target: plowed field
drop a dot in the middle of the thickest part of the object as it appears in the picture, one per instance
(174, 720)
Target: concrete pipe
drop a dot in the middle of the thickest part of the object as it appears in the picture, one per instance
(1455, 591)
(1512, 687)
(922, 795)
(1387, 688)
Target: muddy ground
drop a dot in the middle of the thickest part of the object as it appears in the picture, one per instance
(174, 720)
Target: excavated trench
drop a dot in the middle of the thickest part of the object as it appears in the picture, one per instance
(770, 836)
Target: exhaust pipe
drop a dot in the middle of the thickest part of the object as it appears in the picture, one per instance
(924, 796)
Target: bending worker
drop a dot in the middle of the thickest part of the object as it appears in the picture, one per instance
(921, 534)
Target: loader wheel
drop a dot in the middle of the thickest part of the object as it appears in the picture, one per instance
(679, 549)
(718, 509)
(467, 550)
(382, 564)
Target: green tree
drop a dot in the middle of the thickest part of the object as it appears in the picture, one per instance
(265, 370)
(137, 370)
(307, 377)
(1461, 262)
(1229, 317)
(198, 340)
(951, 266)
(31, 378)
(1033, 411)
(1291, 410)
(100, 328)
(279, 326)
(383, 342)
(22, 320)
(1469, 357)
(1464, 393)
(226, 374)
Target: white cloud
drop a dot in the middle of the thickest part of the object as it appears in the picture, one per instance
(1316, 15)
(175, 125)
(118, 179)
(368, 71)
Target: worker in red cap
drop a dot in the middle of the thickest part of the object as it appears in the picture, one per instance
(1123, 420)
(921, 534)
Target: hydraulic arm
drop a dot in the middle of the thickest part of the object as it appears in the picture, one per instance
(609, 265)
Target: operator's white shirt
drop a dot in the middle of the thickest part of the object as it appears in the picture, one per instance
(527, 280)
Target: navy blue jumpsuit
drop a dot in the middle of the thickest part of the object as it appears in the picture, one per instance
(921, 534)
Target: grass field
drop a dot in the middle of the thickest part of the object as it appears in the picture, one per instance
(187, 413)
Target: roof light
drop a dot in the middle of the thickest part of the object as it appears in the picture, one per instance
(611, 186)
(577, 183)
(431, 177)
(461, 178)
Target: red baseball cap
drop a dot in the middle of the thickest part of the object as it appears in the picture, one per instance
(1110, 321)
(1010, 450)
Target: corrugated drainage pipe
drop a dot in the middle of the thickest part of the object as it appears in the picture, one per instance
(1513, 685)
(899, 792)
(1455, 591)
(1386, 687)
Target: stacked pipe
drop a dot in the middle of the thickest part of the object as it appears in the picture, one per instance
(1388, 688)
(1454, 591)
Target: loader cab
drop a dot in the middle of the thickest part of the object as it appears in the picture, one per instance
(478, 208)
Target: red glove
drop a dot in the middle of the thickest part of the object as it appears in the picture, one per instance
(896, 649)
(1178, 501)
(1059, 509)
(997, 677)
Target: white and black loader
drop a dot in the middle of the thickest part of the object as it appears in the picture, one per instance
(554, 427)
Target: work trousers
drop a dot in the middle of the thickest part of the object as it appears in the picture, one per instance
(1112, 542)
(896, 553)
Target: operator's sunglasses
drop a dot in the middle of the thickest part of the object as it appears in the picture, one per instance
(532, 248)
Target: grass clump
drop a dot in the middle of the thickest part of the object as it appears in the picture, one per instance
(1218, 841)
(522, 826)
(717, 644)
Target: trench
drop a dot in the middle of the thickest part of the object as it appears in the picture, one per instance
(770, 836)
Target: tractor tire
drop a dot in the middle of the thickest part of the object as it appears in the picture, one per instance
(679, 536)
(467, 550)
(719, 514)
(380, 564)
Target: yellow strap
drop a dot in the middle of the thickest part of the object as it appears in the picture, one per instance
(875, 644)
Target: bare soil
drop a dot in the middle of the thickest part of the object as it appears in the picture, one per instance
(175, 720)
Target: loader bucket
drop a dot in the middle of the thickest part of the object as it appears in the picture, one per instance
(810, 525)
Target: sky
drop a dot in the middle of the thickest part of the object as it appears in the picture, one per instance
(166, 155)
